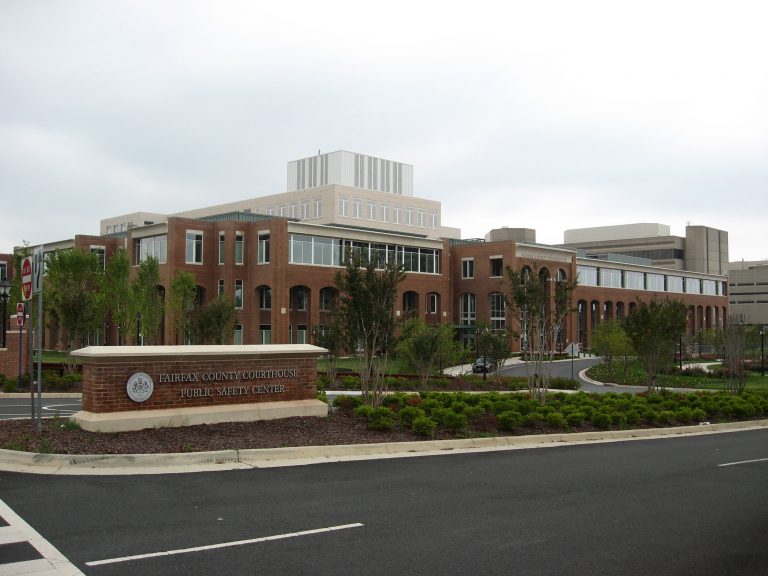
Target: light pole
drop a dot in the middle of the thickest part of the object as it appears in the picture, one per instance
(699, 344)
(762, 350)
(5, 291)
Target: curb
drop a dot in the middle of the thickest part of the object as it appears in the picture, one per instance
(119, 464)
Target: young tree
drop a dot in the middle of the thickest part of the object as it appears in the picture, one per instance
(215, 321)
(71, 293)
(423, 347)
(149, 302)
(541, 314)
(734, 353)
(116, 296)
(494, 346)
(183, 299)
(332, 337)
(608, 340)
(655, 329)
(367, 302)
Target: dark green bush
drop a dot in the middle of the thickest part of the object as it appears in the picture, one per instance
(556, 420)
(666, 417)
(350, 382)
(575, 419)
(424, 426)
(454, 421)
(364, 411)
(602, 420)
(347, 403)
(409, 414)
(509, 420)
(381, 419)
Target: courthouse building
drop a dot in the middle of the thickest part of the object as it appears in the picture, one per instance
(276, 258)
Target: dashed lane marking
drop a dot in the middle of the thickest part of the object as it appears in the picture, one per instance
(224, 544)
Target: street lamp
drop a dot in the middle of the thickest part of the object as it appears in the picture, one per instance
(5, 292)
(699, 344)
(762, 350)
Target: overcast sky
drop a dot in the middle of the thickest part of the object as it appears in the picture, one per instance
(536, 114)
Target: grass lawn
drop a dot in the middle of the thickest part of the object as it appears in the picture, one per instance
(635, 376)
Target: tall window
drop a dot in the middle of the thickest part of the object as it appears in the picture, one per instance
(498, 315)
(431, 303)
(497, 266)
(409, 216)
(265, 331)
(265, 298)
(239, 294)
(318, 208)
(221, 287)
(152, 246)
(194, 251)
(343, 206)
(101, 254)
(357, 208)
(239, 247)
(263, 249)
(3, 271)
(467, 309)
(222, 247)
(237, 339)
(468, 268)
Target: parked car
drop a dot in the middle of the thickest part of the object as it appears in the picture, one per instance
(483, 364)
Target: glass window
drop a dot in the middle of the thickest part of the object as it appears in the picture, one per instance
(194, 247)
(239, 294)
(265, 298)
(343, 206)
(265, 331)
(709, 287)
(152, 246)
(634, 280)
(498, 311)
(263, 249)
(655, 282)
(409, 216)
(692, 286)
(357, 208)
(497, 267)
(587, 275)
(610, 277)
(101, 255)
(318, 208)
(221, 287)
(467, 309)
(239, 247)
(674, 284)
(468, 268)
(222, 246)
(431, 303)
(3, 271)
(237, 339)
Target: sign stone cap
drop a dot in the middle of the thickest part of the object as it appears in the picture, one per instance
(197, 350)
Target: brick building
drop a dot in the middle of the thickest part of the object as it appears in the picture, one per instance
(276, 258)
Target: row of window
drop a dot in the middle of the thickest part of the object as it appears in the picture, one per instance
(324, 251)
(616, 278)
(297, 335)
(496, 267)
(304, 210)
(387, 213)
(468, 310)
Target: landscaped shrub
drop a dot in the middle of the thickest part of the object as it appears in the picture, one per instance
(381, 419)
(575, 419)
(619, 420)
(409, 414)
(347, 403)
(666, 417)
(509, 420)
(684, 415)
(424, 426)
(350, 382)
(633, 417)
(364, 411)
(533, 419)
(556, 420)
(602, 420)
(474, 413)
(454, 421)
(698, 415)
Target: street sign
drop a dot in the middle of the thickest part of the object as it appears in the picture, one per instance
(26, 279)
(20, 314)
(37, 270)
(573, 349)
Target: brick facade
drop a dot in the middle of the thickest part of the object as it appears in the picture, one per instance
(9, 357)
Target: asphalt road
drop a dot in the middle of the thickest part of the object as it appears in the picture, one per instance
(631, 508)
(21, 407)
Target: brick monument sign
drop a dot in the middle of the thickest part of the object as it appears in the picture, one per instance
(135, 387)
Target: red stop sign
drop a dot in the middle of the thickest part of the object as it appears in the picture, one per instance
(19, 314)
(26, 279)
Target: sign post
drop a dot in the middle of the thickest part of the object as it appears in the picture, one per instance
(37, 288)
(20, 324)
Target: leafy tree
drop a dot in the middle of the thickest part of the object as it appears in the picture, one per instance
(183, 298)
(655, 329)
(424, 347)
(149, 302)
(608, 340)
(734, 351)
(71, 293)
(215, 321)
(332, 337)
(541, 314)
(366, 303)
(116, 297)
(494, 345)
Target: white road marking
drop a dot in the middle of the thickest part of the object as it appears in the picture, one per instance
(743, 462)
(53, 561)
(224, 544)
